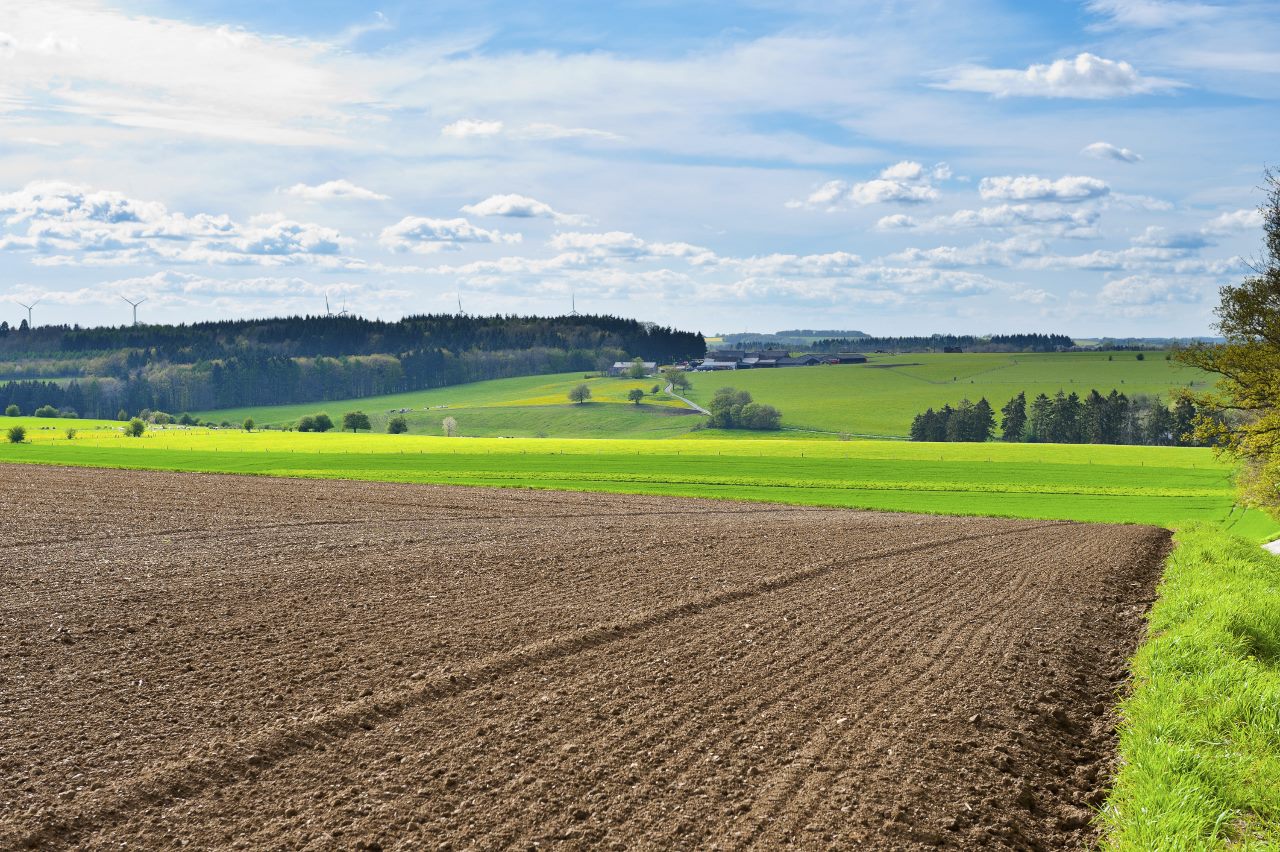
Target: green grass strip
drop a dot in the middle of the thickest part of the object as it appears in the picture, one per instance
(1200, 740)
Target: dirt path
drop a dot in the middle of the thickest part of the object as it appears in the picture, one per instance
(236, 662)
(670, 391)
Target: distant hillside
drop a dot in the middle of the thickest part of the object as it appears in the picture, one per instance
(99, 371)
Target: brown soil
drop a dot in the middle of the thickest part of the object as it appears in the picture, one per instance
(237, 662)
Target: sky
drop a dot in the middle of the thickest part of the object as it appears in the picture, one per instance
(1089, 167)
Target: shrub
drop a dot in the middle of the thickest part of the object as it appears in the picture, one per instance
(397, 426)
(161, 418)
(71, 433)
(249, 424)
(323, 422)
(307, 423)
(450, 427)
(122, 415)
(12, 411)
(17, 434)
(187, 420)
(46, 411)
(135, 427)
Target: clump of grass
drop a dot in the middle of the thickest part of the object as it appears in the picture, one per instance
(1200, 740)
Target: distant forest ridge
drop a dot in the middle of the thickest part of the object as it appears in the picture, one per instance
(99, 372)
(933, 342)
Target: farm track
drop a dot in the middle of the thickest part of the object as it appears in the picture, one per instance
(256, 663)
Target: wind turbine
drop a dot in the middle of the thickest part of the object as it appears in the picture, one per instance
(327, 311)
(30, 322)
(135, 306)
(343, 312)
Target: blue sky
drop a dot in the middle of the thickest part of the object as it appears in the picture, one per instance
(898, 167)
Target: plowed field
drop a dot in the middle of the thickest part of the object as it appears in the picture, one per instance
(256, 663)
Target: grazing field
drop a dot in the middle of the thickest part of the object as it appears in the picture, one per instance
(1165, 486)
(875, 399)
(527, 407)
(282, 664)
(881, 397)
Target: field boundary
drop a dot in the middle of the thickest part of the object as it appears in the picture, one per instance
(1200, 732)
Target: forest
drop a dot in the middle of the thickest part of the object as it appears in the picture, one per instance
(98, 372)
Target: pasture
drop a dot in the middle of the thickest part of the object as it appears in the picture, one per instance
(880, 397)
(877, 399)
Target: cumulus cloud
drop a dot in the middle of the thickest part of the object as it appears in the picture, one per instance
(1047, 218)
(426, 236)
(519, 207)
(1160, 237)
(1004, 253)
(67, 224)
(1146, 290)
(1107, 151)
(1086, 77)
(333, 190)
(620, 244)
(906, 182)
(896, 222)
(1069, 190)
(467, 128)
(1234, 222)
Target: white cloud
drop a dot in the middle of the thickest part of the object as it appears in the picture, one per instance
(333, 190)
(467, 128)
(1069, 189)
(1153, 14)
(426, 236)
(536, 131)
(896, 222)
(542, 130)
(1146, 290)
(620, 244)
(1160, 237)
(1044, 218)
(1005, 253)
(903, 171)
(1087, 76)
(519, 207)
(1105, 151)
(70, 225)
(837, 194)
(1234, 222)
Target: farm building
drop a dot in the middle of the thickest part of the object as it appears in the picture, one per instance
(621, 368)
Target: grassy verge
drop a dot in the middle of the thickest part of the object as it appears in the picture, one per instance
(1200, 740)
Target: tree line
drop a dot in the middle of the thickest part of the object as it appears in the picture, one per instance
(1065, 419)
(257, 361)
(966, 342)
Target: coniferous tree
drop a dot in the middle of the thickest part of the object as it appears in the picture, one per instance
(1013, 423)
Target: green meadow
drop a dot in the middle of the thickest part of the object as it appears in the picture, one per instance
(882, 396)
(877, 399)
(1157, 485)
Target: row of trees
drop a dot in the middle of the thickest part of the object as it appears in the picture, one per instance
(939, 342)
(1065, 419)
(332, 336)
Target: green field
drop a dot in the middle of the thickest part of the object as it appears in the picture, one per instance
(525, 407)
(1157, 485)
(877, 399)
(881, 397)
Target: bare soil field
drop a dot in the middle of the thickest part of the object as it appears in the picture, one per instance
(239, 662)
